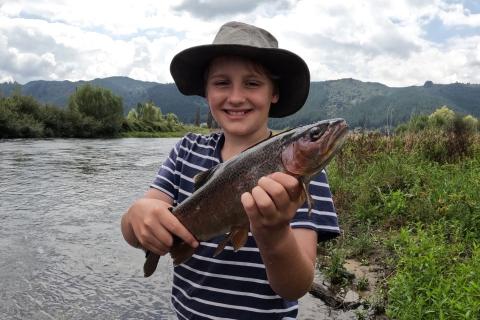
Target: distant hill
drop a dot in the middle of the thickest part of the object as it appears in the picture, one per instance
(362, 104)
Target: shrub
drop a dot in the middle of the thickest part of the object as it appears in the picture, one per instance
(102, 111)
(435, 279)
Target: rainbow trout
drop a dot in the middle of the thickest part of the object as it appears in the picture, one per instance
(215, 207)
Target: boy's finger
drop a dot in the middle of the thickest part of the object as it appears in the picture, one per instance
(276, 191)
(175, 227)
(290, 183)
(249, 204)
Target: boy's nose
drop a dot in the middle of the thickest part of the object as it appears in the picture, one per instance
(237, 95)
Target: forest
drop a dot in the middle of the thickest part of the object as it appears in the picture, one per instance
(368, 105)
(92, 112)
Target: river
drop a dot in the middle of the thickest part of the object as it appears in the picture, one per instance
(62, 252)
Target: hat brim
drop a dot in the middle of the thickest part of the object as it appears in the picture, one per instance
(188, 67)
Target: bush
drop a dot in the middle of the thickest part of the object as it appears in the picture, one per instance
(442, 137)
(148, 118)
(92, 112)
(437, 276)
(20, 117)
(429, 177)
(102, 111)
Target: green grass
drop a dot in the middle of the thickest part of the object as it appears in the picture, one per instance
(165, 134)
(437, 275)
(411, 203)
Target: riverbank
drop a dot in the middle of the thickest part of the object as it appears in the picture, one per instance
(166, 134)
(409, 208)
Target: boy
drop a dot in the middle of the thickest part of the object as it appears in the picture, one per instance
(245, 78)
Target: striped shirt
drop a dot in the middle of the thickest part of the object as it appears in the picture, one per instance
(232, 285)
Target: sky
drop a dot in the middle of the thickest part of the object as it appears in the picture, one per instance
(394, 42)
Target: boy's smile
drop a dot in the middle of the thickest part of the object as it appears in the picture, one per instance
(239, 94)
(236, 114)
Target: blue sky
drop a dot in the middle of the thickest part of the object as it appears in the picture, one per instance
(395, 42)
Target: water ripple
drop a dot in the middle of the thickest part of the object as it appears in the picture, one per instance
(63, 256)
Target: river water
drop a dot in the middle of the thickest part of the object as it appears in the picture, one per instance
(62, 255)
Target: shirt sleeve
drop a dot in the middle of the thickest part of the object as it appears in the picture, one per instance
(167, 179)
(323, 217)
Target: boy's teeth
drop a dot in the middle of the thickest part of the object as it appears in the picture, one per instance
(236, 113)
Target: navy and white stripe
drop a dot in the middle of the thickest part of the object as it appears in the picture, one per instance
(232, 285)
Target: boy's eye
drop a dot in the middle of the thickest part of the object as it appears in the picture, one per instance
(220, 83)
(252, 83)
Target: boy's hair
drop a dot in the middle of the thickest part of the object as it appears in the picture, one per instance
(291, 74)
(257, 66)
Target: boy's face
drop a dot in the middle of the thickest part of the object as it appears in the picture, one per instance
(239, 94)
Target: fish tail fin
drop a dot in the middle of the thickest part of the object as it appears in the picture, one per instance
(151, 263)
(181, 252)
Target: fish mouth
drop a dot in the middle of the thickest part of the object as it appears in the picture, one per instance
(333, 139)
(338, 136)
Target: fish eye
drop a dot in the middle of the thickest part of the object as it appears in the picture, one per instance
(315, 133)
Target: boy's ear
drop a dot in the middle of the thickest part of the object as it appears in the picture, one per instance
(275, 98)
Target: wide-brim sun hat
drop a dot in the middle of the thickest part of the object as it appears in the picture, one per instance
(244, 40)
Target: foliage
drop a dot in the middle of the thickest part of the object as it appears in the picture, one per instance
(146, 112)
(442, 117)
(93, 112)
(362, 104)
(362, 284)
(445, 136)
(100, 110)
(410, 203)
(437, 275)
(148, 118)
(20, 117)
(334, 270)
(471, 123)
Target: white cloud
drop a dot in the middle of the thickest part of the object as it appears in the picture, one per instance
(458, 15)
(374, 40)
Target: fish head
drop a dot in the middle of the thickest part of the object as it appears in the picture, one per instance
(311, 147)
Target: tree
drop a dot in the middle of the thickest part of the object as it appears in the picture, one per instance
(145, 112)
(20, 117)
(442, 117)
(101, 109)
(471, 122)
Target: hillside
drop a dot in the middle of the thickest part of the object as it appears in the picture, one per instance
(362, 104)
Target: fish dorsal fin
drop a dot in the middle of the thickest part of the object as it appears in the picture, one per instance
(202, 177)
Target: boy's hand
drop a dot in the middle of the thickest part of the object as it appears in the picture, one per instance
(288, 254)
(271, 205)
(152, 225)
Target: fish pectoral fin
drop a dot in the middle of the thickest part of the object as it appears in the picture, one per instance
(181, 252)
(304, 183)
(239, 237)
(150, 264)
